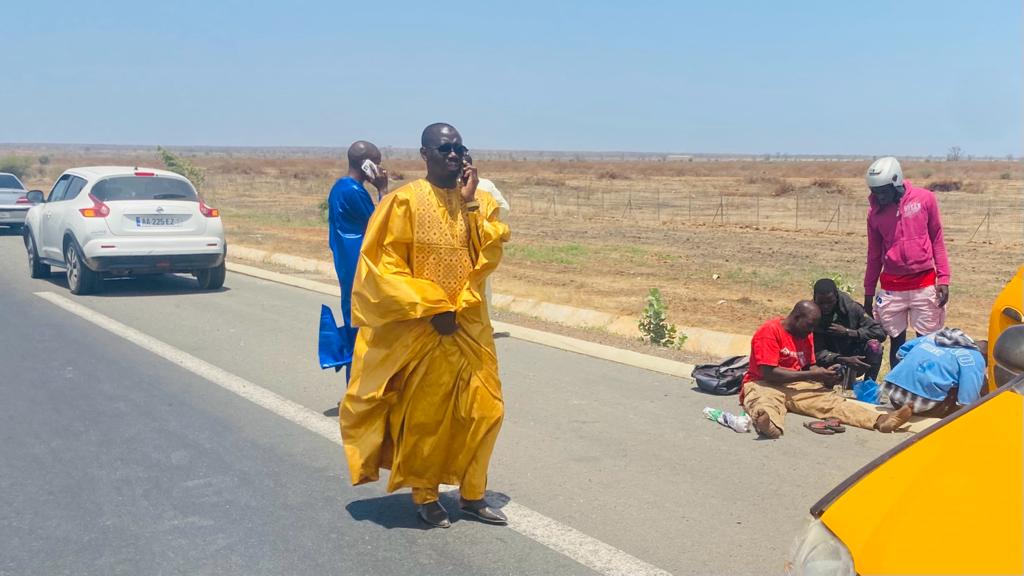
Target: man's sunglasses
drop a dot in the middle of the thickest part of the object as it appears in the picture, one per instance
(446, 149)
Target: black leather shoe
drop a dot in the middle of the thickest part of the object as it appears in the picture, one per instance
(483, 512)
(434, 514)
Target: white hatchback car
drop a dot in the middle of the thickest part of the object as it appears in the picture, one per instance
(121, 221)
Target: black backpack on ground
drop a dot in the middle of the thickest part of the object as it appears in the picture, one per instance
(724, 378)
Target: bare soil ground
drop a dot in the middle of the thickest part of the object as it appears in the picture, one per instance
(728, 243)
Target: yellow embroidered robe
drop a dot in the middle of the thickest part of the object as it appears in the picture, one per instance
(427, 407)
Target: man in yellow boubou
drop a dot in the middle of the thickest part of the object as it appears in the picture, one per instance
(425, 399)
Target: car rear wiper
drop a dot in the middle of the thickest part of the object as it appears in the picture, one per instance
(168, 196)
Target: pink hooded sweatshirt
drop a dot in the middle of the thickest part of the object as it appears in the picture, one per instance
(905, 239)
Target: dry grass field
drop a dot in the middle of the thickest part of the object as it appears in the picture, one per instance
(729, 243)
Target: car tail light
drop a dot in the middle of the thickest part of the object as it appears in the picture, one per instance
(22, 200)
(207, 211)
(145, 173)
(97, 210)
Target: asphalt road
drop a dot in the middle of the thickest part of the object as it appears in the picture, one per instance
(116, 461)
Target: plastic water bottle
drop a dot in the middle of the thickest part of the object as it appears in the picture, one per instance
(739, 423)
(712, 413)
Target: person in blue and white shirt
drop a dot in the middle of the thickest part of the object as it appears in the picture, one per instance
(937, 373)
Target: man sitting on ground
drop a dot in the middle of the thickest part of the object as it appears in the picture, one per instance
(846, 335)
(937, 373)
(783, 377)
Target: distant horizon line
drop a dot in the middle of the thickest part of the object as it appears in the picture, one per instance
(605, 154)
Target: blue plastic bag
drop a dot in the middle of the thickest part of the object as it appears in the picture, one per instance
(867, 391)
(336, 343)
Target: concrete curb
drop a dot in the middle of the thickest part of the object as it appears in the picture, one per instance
(612, 354)
(311, 285)
(699, 340)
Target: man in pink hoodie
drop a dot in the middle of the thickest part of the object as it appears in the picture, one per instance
(906, 253)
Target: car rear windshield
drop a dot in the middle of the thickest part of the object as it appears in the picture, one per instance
(143, 188)
(8, 181)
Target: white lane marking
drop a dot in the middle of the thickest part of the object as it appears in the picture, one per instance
(590, 552)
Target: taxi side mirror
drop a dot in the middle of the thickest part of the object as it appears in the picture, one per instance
(1008, 355)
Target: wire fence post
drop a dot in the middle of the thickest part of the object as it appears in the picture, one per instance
(629, 204)
(718, 211)
(757, 211)
(796, 223)
(988, 221)
(980, 224)
(834, 218)
(659, 206)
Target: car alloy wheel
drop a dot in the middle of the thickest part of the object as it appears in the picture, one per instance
(74, 272)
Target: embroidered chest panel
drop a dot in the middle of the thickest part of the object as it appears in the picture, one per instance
(441, 240)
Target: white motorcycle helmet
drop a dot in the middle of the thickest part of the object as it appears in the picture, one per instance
(884, 172)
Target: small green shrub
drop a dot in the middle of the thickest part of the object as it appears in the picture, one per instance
(842, 284)
(182, 166)
(654, 325)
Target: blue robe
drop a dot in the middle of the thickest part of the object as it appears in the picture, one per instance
(349, 207)
(348, 211)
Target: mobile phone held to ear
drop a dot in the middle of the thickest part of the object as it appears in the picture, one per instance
(467, 161)
(370, 169)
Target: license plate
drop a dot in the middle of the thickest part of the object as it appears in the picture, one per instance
(6, 214)
(157, 221)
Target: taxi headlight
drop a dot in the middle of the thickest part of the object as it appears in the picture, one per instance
(819, 553)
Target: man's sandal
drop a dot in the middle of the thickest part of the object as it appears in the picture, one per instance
(819, 427)
(835, 425)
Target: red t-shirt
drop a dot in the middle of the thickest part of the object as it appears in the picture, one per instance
(773, 346)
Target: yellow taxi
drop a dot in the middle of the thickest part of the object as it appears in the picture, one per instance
(947, 500)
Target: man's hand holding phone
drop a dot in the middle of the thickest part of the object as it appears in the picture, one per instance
(377, 175)
(827, 376)
(469, 180)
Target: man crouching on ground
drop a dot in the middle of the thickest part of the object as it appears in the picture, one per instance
(783, 377)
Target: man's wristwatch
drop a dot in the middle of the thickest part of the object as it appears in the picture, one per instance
(472, 206)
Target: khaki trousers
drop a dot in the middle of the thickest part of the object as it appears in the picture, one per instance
(806, 398)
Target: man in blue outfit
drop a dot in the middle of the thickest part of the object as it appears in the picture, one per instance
(349, 207)
(348, 211)
(937, 373)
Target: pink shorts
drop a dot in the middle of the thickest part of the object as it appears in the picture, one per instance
(917, 308)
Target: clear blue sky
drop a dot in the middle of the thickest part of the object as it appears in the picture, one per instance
(859, 77)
